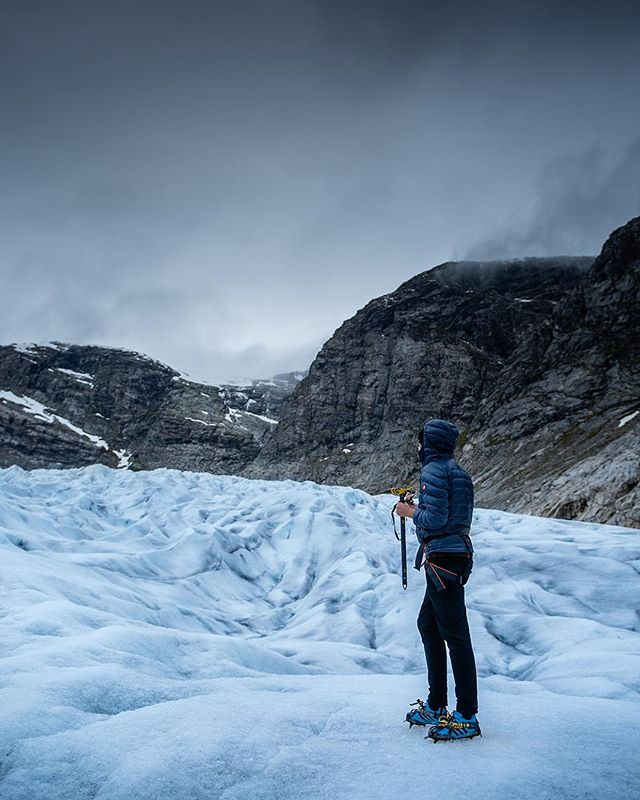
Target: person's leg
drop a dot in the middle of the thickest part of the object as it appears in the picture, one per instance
(435, 653)
(451, 617)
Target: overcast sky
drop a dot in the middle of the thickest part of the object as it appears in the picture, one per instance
(220, 184)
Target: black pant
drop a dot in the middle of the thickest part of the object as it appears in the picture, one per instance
(443, 618)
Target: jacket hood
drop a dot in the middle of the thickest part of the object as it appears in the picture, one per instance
(439, 439)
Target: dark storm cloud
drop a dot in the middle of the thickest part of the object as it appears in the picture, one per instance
(580, 199)
(220, 184)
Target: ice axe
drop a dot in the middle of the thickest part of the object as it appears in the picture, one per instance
(406, 496)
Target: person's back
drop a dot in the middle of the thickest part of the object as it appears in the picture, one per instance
(445, 501)
(461, 498)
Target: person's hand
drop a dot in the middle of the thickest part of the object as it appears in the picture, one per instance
(405, 509)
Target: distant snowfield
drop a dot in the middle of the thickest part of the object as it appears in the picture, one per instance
(181, 635)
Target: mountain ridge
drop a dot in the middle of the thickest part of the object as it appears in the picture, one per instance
(66, 405)
(537, 366)
(537, 360)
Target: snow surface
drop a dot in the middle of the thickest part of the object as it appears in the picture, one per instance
(181, 635)
(34, 407)
(31, 348)
(236, 415)
(270, 420)
(202, 421)
(79, 377)
(628, 418)
(39, 411)
(124, 459)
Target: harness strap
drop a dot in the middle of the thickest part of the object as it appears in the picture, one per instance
(420, 559)
(418, 562)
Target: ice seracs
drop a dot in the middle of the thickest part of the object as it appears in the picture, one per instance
(155, 624)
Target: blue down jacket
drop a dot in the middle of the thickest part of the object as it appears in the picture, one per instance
(445, 506)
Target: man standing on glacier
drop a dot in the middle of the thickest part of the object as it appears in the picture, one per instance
(443, 523)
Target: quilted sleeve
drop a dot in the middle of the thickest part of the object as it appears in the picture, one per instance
(433, 505)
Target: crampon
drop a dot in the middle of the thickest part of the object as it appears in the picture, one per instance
(454, 727)
(424, 715)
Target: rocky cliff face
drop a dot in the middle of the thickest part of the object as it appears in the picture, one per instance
(560, 434)
(68, 405)
(262, 397)
(536, 360)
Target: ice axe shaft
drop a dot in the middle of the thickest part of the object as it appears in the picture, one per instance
(405, 496)
(403, 550)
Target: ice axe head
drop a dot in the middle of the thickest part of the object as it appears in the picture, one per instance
(402, 492)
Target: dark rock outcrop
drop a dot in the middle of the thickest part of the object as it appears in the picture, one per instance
(536, 360)
(560, 434)
(70, 405)
(262, 397)
(434, 347)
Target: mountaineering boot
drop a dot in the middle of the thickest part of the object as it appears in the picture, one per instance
(424, 715)
(454, 726)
